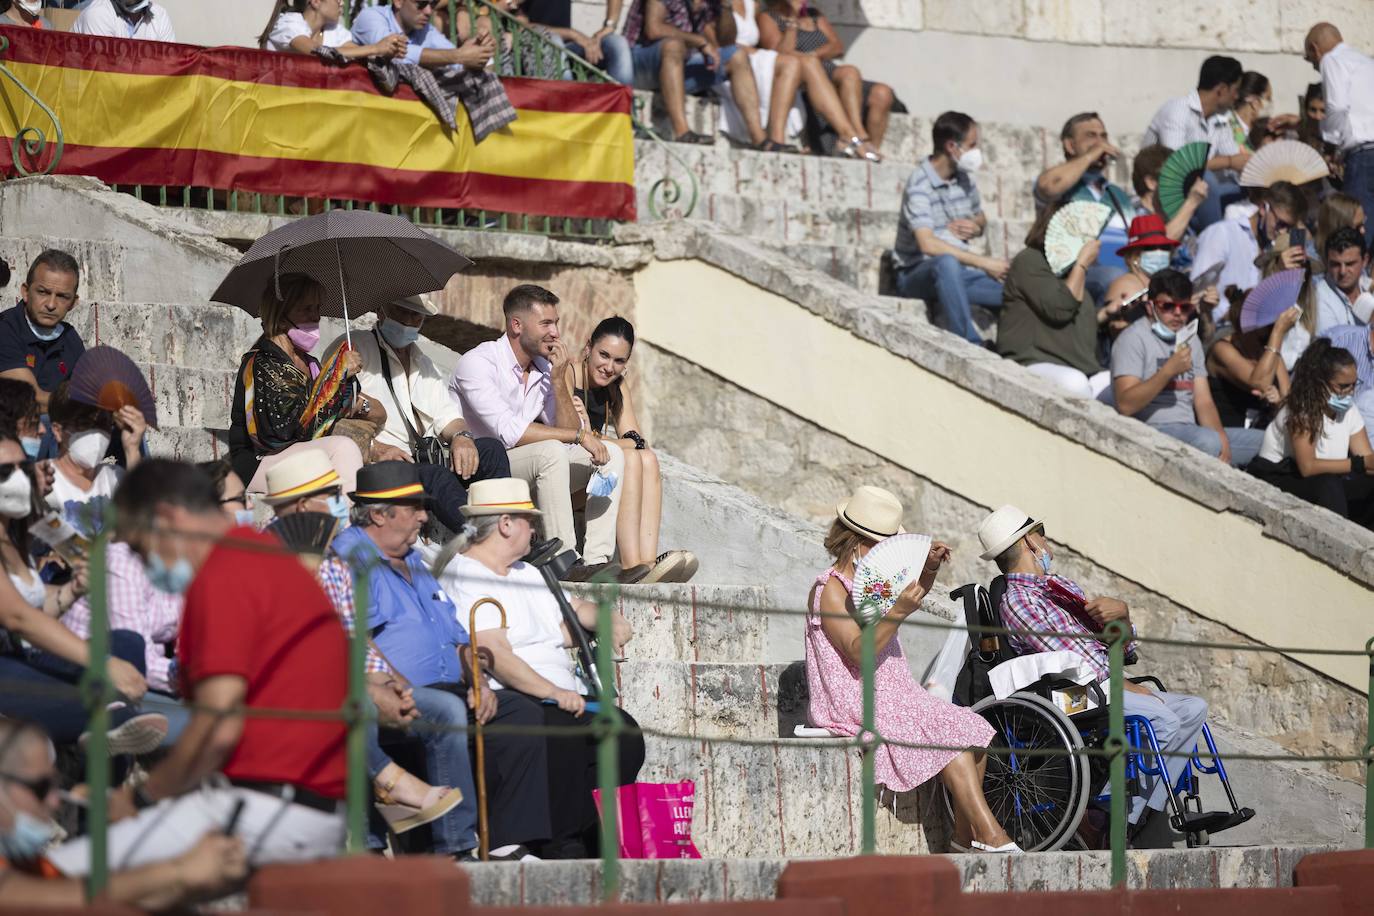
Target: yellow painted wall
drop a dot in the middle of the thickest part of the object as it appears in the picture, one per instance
(1220, 564)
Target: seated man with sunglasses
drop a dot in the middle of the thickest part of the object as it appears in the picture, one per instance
(427, 46)
(1159, 375)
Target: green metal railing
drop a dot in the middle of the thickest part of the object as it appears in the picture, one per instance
(608, 726)
(30, 142)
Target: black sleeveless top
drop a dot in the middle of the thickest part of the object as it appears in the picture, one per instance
(597, 406)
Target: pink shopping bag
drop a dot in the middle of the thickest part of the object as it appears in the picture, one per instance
(655, 820)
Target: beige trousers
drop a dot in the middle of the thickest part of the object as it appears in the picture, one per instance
(554, 472)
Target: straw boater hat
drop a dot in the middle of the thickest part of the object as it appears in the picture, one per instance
(389, 482)
(872, 512)
(302, 474)
(1003, 528)
(501, 496)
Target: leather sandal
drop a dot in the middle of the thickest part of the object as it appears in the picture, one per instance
(438, 801)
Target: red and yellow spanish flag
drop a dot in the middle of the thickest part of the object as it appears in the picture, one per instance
(143, 112)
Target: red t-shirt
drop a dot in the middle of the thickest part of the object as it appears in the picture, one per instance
(260, 614)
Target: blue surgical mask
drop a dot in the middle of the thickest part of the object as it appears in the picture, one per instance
(1163, 331)
(338, 507)
(1340, 403)
(399, 335)
(174, 579)
(26, 840)
(1046, 560)
(1152, 262)
(244, 517)
(45, 334)
(31, 446)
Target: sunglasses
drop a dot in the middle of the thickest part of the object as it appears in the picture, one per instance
(8, 468)
(425, 4)
(41, 788)
(1177, 308)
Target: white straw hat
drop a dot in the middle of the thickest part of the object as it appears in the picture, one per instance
(1003, 528)
(501, 496)
(306, 472)
(871, 511)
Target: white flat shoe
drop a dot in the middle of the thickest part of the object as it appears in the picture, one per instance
(1009, 848)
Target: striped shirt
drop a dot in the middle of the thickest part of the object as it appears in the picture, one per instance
(932, 202)
(1180, 121)
(337, 581)
(1028, 604)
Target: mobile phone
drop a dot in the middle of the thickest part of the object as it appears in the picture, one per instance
(1297, 237)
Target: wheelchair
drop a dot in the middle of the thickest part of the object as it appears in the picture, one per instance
(1042, 800)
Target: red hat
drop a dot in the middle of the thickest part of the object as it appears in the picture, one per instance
(1146, 232)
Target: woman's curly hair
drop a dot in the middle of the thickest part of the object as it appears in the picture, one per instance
(1307, 396)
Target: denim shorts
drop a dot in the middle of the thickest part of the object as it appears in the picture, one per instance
(697, 77)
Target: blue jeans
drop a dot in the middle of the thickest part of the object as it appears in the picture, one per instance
(697, 76)
(54, 703)
(1220, 195)
(615, 57)
(1177, 719)
(1359, 184)
(442, 716)
(955, 287)
(1245, 443)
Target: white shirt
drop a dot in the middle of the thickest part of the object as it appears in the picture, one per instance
(1333, 445)
(1180, 121)
(1348, 84)
(421, 394)
(1333, 308)
(100, 18)
(495, 397)
(534, 623)
(291, 26)
(1230, 242)
(66, 496)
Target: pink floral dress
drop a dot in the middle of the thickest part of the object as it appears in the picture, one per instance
(903, 711)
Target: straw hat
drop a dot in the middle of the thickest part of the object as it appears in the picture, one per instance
(500, 496)
(306, 472)
(1003, 528)
(389, 482)
(422, 305)
(871, 511)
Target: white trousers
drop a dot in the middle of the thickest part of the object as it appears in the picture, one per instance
(554, 471)
(1074, 383)
(272, 829)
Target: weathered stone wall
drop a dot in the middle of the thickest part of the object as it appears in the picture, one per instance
(789, 462)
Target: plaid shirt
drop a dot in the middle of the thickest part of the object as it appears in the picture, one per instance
(1028, 604)
(683, 15)
(337, 581)
(931, 202)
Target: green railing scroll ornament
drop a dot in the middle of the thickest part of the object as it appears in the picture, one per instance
(31, 142)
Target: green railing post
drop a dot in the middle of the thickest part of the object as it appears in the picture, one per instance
(868, 661)
(1369, 752)
(608, 750)
(1116, 743)
(95, 684)
(355, 714)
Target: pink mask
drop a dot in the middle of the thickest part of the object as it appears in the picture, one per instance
(305, 335)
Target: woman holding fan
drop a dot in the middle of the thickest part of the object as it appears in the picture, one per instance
(904, 711)
(1317, 448)
(1049, 322)
(284, 398)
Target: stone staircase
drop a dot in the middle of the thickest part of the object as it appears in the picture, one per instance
(709, 670)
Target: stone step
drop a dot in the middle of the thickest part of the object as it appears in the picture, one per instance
(191, 397)
(755, 878)
(189, 443)
(101, 262)
(179, 334)
(698, 622)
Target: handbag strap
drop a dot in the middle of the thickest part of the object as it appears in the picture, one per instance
(413, 436)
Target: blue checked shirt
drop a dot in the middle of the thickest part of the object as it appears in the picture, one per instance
(931, 202)
(337, 581)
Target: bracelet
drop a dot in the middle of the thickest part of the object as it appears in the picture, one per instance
(608, 24)
(577, 439)
(364, 406)
(1357, 464)
(1269, 349)
(142, 800)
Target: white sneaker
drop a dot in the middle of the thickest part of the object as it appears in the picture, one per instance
(139, 735)
(1010, 848)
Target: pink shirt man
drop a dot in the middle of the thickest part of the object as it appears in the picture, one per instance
(497, 400)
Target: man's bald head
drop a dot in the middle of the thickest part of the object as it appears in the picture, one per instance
(1320, 39)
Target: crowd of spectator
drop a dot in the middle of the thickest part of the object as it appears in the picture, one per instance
(1151, 315)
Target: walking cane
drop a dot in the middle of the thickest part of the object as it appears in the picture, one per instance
(483, 837)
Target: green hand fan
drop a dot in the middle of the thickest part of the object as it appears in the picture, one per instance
(1183, 167)
(1071, 227)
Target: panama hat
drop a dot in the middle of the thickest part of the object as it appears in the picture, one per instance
(389, 482)
(422, 305)
(1003, 528)
(500, 496)
(871, 511)
(306, 472)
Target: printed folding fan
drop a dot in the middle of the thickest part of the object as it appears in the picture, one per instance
(104, 377)
(1184, 166)
(1070, 229)
(884, 571)
(1273, 296)
(1284, 160)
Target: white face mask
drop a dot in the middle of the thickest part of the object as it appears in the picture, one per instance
(88, 447)
(16, 495)
(32, 7)
(971, 160)
(45, 334)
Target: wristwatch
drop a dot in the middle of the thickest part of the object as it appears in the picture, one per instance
(608, 24)
(467, 435)
(365, 407)
(142, 800)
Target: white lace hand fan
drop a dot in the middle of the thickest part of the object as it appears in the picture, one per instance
(1070, 229)
(884, 571)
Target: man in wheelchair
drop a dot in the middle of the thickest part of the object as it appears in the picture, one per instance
(1027, 596)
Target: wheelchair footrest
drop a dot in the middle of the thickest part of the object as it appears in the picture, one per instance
(1212, 821)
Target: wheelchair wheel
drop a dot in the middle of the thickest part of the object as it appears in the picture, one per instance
(1039, 801)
